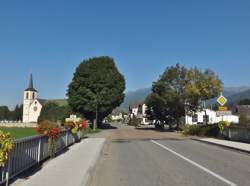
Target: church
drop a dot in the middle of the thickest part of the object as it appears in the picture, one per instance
(31, 105)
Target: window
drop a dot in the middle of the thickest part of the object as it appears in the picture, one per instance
(33, 95)
(27, 95)
(195, 118)
(205, 119)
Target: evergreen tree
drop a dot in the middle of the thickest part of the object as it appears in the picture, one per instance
(97, 88)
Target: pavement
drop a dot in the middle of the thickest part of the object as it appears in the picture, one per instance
(131, 158)
(245, 147)
(73, 168)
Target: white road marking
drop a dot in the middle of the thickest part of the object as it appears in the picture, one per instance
(195, 164)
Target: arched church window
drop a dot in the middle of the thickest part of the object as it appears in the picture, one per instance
(33, 95)
(27, 95)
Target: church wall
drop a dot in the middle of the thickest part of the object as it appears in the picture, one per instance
(31, 107)
(20, 125)
(35, 110)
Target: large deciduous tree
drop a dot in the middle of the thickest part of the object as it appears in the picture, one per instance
(167, 101)
(180, 90)
(202, 86)
(97, 87)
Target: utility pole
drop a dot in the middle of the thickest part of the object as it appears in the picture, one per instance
(96, 117)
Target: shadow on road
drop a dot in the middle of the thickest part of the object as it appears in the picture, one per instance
(106, 126)
(155, 129)
(145, 139)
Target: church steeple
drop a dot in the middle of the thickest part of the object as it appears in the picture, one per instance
(31, 87)
(31, 82)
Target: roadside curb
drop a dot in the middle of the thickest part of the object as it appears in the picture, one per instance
(220, 145)
(88, 177)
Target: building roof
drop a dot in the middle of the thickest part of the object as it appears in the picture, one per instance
(31, 87)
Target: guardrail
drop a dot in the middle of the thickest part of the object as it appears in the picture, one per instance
(30, 151)
(237, 134)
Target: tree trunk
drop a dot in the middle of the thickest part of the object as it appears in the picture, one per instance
(177, 124)
(94, 125)
(162, 125)
(206, 120)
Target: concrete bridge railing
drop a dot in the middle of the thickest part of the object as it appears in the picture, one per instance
(31, 151)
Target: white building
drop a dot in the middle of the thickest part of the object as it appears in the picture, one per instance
(139, 111)
(212, 118)
(31, 105)
(73, 118)
(117, 116)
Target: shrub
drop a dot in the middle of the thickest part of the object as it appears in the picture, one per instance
(134, 122)
(191, 130)
(6, 145)
(222, 125)
(208, 130)
(213, 131)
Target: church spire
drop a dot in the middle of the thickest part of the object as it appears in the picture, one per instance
(31, 82)
(31, 87)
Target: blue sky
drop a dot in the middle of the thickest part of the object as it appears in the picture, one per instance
(50, 38)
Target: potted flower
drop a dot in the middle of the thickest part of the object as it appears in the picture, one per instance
(77, 126)
(52, 131)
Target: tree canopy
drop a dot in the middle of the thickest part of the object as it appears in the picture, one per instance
(97, 85)
(180, 91)
(53, 112)
(15, 115)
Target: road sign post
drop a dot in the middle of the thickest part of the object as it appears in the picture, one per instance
(223, 110)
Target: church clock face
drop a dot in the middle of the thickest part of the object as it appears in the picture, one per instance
(35, 109)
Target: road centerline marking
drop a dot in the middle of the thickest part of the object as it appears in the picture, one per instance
(195, 164)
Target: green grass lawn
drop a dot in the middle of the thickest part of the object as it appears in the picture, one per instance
(19, 132)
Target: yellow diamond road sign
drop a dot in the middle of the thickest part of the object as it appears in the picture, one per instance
(222, 100)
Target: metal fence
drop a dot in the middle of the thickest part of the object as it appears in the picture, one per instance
(31, 151)
(238, 134)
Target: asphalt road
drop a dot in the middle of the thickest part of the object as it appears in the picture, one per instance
(169, 162)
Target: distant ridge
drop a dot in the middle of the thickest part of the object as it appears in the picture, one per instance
(59, 102)
(235, 99)
(134, 96)
(233, 94)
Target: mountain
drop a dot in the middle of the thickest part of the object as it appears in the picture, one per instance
(234, 99)
(134, 96)
(229, 92)
(235, 90)
(233, 94)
